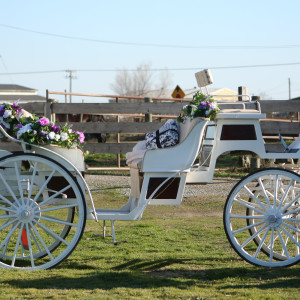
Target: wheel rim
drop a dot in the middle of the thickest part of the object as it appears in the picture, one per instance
(38, 224)
(266, 205)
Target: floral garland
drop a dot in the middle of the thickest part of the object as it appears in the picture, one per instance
(201, 106)
(35, 130)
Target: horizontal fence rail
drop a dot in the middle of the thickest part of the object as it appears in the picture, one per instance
(121, 118)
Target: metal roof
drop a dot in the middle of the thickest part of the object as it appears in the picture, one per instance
(22, 98)
(15, 88)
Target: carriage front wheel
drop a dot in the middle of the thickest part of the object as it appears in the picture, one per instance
(262, 218)
(42, 212)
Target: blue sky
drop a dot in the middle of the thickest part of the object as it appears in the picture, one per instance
(223, 33)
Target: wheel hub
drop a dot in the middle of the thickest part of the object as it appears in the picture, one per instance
(28, 211)
(273, 220)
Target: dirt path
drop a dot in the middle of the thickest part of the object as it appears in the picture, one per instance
(220, 186)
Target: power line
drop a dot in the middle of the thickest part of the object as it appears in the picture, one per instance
(154, 70)
(217, 47)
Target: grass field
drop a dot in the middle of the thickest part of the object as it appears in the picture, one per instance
(174, 252)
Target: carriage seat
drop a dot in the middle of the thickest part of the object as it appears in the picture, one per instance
(190, 136)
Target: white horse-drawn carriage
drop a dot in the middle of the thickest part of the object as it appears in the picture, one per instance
(45, 201)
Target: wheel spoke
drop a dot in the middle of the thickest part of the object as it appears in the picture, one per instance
(247, 227)
(292, 219)
(42, 241)
(290, 236)
(19, 182)
(9, 189)
(246, 204)
(5, 216)
(291, 227)
(289, 204)
(35, 240)
(275, 194)
(253, 236)
(58, 207)
(255, 198)
(43, 186)
(29, 246)
(53, 234)
(53, 196)
(291, 212)
(247, 217)
(286, 193)
(7, 201)
(283, 244)
(272, 242)
(261, 243)
(264, 192)
(56, 220)
(6, 224)
(7, 209)
(32, 180)
(17, 246)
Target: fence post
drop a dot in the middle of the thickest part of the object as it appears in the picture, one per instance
(47, 107)
(243, 90)
(255, 98)
(148, 117)
(118, 138)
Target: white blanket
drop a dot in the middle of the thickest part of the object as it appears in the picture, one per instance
(136, 156)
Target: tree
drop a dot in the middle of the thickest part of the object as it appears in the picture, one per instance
(141, 82)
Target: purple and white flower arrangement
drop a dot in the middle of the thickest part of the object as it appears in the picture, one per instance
(35, 130)
(201, 106)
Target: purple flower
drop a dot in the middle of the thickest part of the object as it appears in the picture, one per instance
(55, 128)
(44, 121)
(19, 126)
(203, 103)
(19, 110)
(14, 105)
(43, 132)
(2, 110)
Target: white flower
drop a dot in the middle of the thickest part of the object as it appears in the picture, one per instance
(57, 137)
(64, 136)
(70, 130)
(7, 113)
(51, 135)
(24, 129)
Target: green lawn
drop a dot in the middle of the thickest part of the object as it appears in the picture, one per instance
(174, 252)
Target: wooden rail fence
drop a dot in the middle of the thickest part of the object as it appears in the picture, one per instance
(160, 108)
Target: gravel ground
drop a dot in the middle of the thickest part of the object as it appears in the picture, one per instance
(219, 186)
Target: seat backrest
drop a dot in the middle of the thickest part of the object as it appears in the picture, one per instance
(186, 127)
(179, 157)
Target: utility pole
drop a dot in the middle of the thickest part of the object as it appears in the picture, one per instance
(71, 76)
(290, 96)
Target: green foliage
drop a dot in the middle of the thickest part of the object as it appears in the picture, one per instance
(37, 131)
(201, 106)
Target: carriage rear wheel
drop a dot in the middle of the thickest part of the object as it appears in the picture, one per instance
(265, 204)
(42, 212)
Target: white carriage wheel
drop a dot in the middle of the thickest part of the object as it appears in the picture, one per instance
(265, 204)
(38, 200)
